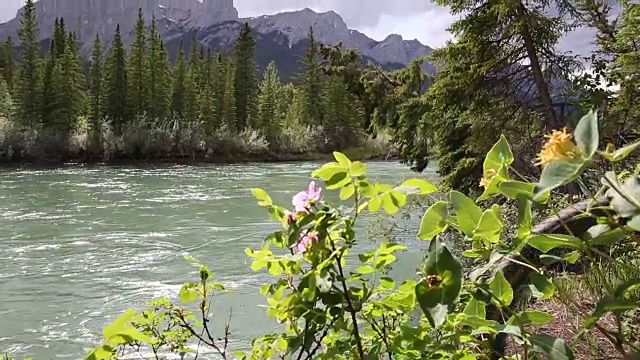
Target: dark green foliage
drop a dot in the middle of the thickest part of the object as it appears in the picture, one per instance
(29, 78)
(135, 104)
(116, 99)
(245, 82)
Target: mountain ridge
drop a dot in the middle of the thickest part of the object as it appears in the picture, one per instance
(217, 24)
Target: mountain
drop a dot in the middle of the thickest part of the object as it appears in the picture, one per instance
(280, 37)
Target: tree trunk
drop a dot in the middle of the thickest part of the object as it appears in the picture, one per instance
(552, 121)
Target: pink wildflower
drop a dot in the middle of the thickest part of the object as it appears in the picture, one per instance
(302, 201)
(306, 240)
(290, 216)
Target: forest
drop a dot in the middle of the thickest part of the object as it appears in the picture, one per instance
(133, 104)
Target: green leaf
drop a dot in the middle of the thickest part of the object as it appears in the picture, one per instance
(500, 154)
(358, 168)
(556, 174)
(347, 192)
(554, 348)
(501, 289)
(365, 269)
(490, 225)
(327, 171)
(541, 287)
(442, 284)
(419, 186)
(493, 188)
(514, 189)
(546, 242)
(634, 223)
(608, 237)
(342, 159)
(468, 214)
(375, 204)
(476, 308)
(338, 180)
(434, 221)
(187, 294)
(393, 201)
(387, 283)
(625, 198)
(621, 153)
(119, 324)
(525, 216)
(586, 134)
(262, 196)
(531, 317)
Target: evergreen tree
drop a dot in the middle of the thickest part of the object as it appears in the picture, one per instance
(8, 66)
(191, 108)
(229, 117)
(6, 103)
(269, 116)
(138, 69)
(159, 76)
(312, 82)
(218, 86)
(75, 100)
(116, 84)
(342, 114)
(96, 95)
(29, 81)
(179, 87)
(58, 39)
(494, 79)
(245, 78)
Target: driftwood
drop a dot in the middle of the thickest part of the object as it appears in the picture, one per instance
(565, 222)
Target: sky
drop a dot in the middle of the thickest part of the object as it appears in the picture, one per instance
(413, 19)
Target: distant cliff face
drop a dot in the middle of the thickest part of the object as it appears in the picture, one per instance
(279, 37)
(90, 17)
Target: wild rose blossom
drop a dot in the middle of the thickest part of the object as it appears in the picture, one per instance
(302, 201)
(291, 217)
(306, 240)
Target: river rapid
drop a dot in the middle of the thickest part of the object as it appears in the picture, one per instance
(80, 245)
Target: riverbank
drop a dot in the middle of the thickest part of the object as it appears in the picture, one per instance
(358, 153)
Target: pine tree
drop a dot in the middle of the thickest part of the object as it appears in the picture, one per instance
(269, 117)
(218, 83)
(312, 82)
(74, 85)
(116, 84)
(495, 79)
(8, 68)
(138, 69)
(159, 76)
(59, 39)
(96, 95)
(191, 108)
(29, 81)
(179, 87)
(245, 78)
(342, 114)
(229, 117)
(6, 103)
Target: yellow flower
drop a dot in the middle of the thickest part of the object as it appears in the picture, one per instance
(486, 180)
(559, 147)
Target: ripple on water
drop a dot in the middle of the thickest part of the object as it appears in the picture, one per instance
(86, 243)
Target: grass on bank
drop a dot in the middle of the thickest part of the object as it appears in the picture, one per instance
(576, 298)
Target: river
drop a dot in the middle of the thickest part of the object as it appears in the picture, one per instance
(80, 245)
